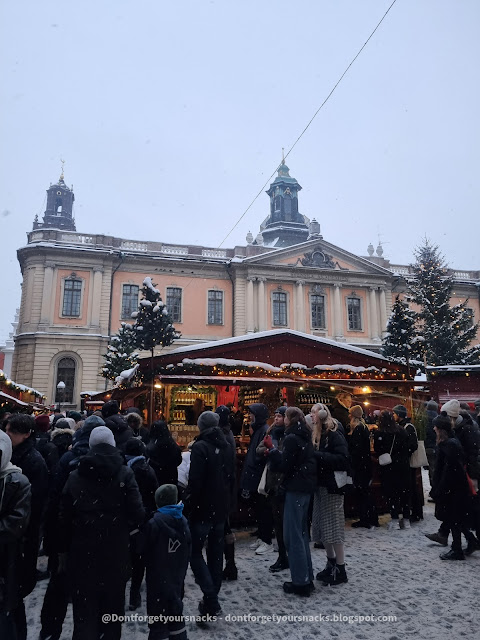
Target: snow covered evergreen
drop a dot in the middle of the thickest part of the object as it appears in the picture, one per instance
(121, 352)
(400, 342)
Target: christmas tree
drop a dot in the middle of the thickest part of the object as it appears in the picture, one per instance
(400, 342)
(447, 331)
(121, 352)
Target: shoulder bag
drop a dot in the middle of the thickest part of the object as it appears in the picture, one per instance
(419, 457)
(386, 458)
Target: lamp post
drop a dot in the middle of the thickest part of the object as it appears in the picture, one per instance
(61, 393)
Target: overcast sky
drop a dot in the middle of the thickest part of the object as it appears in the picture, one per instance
(172, 115)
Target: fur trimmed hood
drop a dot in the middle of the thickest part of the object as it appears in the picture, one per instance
(58, 432)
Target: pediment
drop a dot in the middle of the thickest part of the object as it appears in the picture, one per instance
(318, 255)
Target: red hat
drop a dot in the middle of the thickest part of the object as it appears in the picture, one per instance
(42, 422)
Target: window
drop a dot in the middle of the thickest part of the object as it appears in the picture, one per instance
(174, 303)
(317, 305)
(279, 301)
(72, 296)
(65, 373)
(129, 300)
(278, 203)
(354, 314)
(215, 307)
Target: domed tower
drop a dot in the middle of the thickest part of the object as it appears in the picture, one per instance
(284, 226)
(59, 211)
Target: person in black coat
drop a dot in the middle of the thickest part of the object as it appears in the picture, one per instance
(415, 494)
(57, 595)
(395, 477)
(117, 424)
(21, 430)
(147, 484)
(135, 421)
(359, 448)
(163, 453)
(207, 502)
(43, 443)
(253, 466)
(431, 409)
(15, 496)
(297, 462)
(450, 490)
(100, 506)
(339, 410)
(166, 545)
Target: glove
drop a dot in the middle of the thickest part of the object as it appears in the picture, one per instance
(245, 494)
(267, 441)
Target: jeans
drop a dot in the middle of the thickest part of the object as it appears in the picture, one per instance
(297, 541)
(208, 575)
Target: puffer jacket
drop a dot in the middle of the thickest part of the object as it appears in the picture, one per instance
(332, 455)
(296, 460)
(253, 465)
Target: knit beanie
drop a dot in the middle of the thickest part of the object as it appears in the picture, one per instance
(281, 410)
(400, 410)
(356, 411)
(166, 494)
(110, 408)
(452, 408)
(207, 420)
(432, 406)
(101, 435)
(42, 423)
(443, 422)
(75, 415)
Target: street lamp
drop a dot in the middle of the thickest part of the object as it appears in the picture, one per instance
(61, 393)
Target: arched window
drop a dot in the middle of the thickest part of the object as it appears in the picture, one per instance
(65, 373)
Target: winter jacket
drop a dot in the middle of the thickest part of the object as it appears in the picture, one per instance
(210, 478)
(430, 435)
(274, 479)
(341, 414)
(469, 436)
(62, 439)
(411, 432)
(146, 480)
(33, 466)
(253, 465)
(100, 506)
(167, 548)
(120, 429)
(296, 460)
(164, 456)
(332, 455)
(359, 448)
(450, 488)
(15, 495)
(48, 450)
(394, 476)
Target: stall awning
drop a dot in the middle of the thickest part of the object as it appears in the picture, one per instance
(12, 399)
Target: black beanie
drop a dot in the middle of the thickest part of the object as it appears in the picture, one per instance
(166, 494)
(443, 422)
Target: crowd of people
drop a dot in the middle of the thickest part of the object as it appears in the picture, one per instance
(109, 500)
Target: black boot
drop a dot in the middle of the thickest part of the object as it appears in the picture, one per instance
(472, 546)
(337, 576)
(331, 562)
(280, 565)
(300, 590)
(453, 554)
(230, 572)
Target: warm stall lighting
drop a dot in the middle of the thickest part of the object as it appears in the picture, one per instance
(366, 389)
(158, 386)
(332, 388)
(366, 403)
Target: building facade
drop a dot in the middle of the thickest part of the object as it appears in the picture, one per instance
(77, 288)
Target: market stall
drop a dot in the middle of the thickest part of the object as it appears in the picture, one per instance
(16, 397)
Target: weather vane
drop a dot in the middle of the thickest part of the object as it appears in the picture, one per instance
(63, 167)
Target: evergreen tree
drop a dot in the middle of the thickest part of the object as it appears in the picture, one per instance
(121, 352)
(447, 331)
(400, 341)
(153, 326)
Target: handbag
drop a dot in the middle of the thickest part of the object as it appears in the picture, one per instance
(263, 482)
(342, 478)
(386, 458)
(419, 457)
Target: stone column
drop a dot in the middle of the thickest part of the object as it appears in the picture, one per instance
(97, 298)
(48, 292)
(383, 312)
(261, 303)
(338, 312)
(372, 300)
(299, 310)
(250, 306)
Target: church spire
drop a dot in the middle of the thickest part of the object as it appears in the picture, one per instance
(59, 211)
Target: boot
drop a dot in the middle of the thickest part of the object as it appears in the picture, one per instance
(230, 572)
(337, 576)
(437, 537)
(280, 565)
(300, 590)
(331, 562)
(472, 546)
(453, 554)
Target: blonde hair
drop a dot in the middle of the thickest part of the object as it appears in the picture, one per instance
(319, 424)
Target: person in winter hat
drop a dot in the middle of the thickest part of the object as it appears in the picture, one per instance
(251, 475)
(431, 409)
(117, 423)
(451, 408)
(99, 508)
(208, 502)
(15, 496)
(57, 595)
(166, 547)
(135, 451)
(230, 571)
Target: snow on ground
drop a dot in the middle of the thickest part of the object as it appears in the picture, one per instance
(390, 574)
